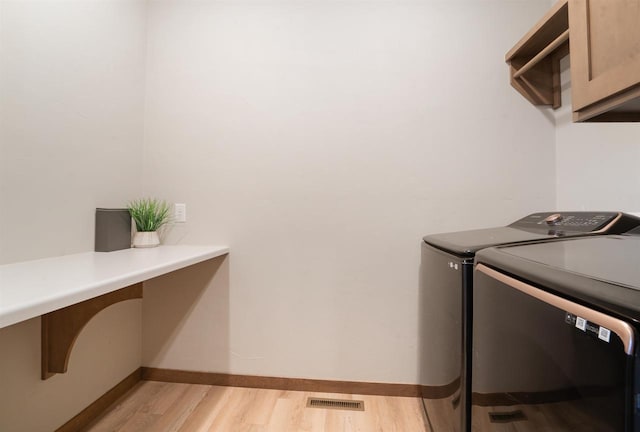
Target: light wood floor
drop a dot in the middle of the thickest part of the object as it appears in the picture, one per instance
(163, 407)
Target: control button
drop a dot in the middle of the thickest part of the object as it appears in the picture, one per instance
(553, 219)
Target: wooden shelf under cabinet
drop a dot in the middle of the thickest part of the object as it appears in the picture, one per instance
(534, 62)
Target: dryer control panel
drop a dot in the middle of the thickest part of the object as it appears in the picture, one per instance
(587, 222)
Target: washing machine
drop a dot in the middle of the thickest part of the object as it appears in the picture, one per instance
(555, 336)
(446, 288)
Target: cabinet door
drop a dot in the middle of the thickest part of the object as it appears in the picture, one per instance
(605, 48)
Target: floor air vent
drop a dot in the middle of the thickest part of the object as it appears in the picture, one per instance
(507, 417)
(353, 405)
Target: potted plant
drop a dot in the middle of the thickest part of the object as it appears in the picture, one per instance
(149, 215)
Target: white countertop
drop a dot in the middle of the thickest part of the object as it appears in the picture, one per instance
(33, 288)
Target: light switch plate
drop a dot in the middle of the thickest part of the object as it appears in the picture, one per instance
(179, 212)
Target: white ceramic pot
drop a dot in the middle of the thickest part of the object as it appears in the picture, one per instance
(146, 239)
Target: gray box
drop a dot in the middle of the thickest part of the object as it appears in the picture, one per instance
(113, 229)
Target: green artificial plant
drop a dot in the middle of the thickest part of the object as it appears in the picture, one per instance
(149, 214)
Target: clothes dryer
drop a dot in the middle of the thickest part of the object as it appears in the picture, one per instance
(446, 287)
(555, 336)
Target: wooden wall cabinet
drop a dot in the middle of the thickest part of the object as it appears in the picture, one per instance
(604, 47)
(605, 59)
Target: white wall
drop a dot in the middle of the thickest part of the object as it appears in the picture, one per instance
(72, 93)
(596, 163)
(71, 110)
(321, 140)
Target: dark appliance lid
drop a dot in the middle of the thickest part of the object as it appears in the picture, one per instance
(534, 227)
(601, 270)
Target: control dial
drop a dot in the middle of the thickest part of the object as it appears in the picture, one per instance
(553, 219)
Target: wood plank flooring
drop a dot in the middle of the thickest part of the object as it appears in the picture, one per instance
(169, 407)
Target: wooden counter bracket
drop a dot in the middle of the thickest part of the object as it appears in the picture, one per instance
(61, 328)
